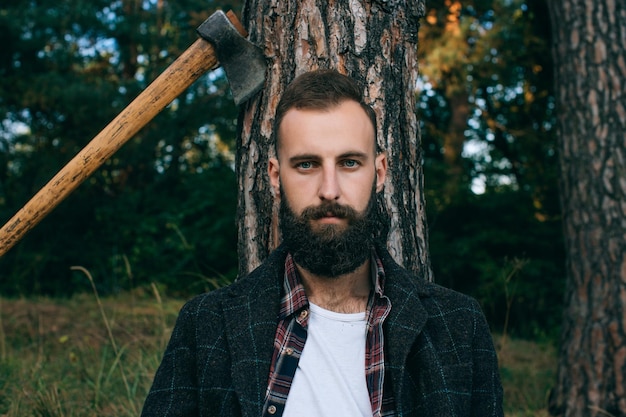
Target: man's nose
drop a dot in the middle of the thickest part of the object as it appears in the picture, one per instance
(329, 188)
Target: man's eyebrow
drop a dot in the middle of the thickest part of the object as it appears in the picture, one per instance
(313, 157)
(353, 154)
(304, 157)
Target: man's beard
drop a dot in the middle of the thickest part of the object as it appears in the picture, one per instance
(329, 250)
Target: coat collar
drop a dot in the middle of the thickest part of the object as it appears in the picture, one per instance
(251, 311)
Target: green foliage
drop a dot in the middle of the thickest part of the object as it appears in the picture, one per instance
(478, 241)
(179, 232)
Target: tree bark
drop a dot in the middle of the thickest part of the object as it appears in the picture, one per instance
(590, 73)
(373, 41)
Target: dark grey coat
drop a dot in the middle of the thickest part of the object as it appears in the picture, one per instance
(439, 355)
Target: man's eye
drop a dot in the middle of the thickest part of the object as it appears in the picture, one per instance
(305, 165)
(350, 163)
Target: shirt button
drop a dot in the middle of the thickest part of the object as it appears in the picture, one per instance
(303, 314)
(289, 351)
(271, 409)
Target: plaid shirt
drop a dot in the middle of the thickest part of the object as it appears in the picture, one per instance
(291, 335)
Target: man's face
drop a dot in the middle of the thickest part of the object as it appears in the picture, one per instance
(327, 170)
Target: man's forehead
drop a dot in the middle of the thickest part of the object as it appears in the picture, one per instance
(329, 108)
(300, 148)
(344, 128)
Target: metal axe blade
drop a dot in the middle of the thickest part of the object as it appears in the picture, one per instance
(242, 61)
(201, 56)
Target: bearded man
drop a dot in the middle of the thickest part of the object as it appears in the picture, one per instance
(329, 324)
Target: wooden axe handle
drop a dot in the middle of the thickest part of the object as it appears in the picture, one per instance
(193, 63)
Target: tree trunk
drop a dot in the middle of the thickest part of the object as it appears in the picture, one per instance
(590, 75)
(376, 43)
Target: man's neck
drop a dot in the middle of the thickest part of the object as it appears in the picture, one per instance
(346, 293)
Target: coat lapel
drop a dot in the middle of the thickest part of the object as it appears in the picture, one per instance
(250, 313)
(404, 323)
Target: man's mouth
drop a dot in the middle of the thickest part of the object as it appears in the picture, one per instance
(330, 218)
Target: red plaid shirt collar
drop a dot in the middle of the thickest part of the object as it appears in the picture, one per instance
(291, 336)
(295, 299)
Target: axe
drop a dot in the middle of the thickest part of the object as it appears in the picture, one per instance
(222, 42)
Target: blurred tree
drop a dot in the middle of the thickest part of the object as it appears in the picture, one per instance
(486, 97)
(590, 59)
(374, 42)
(67, 68)
(487, 107)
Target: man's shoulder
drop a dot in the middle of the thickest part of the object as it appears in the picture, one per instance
(430, 292)
(268, 275)
(262, 281)
(440, 292)
(401, 280)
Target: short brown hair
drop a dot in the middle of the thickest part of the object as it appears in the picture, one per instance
(320, 90)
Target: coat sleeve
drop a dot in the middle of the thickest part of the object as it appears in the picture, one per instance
(486, 387)
(174, 390)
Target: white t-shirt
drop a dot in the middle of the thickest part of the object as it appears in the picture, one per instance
(330, 378)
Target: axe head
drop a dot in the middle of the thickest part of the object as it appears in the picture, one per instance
(242, 61)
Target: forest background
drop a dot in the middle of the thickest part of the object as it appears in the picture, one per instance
(158, 218)
(162, 210)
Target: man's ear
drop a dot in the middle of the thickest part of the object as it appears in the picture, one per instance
(273, 170)
(381, 171)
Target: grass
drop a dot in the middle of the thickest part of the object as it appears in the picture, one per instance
(62, 358)
(86, 356)
(528, 372)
